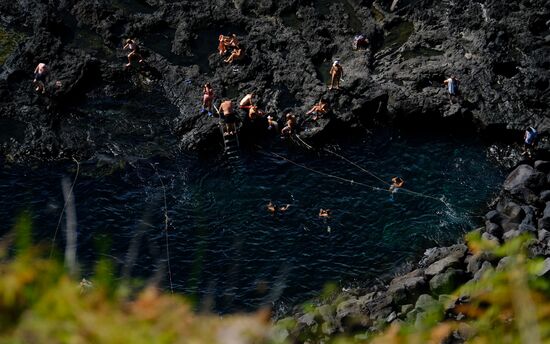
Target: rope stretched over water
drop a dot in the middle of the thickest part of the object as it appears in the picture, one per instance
(166, 218)
(65, 205)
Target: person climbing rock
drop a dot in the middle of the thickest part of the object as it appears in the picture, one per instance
(229, 118)
(131, 45)
(319, 109)
(325, 213)
(40, 73)
(236, 54)
(452, 88)
(254, 112)
(360, 42)
(529, 141)
(397, 183)
(207, 98)
(272, 124)
(290, 124)
(273, 208)
(336, 73)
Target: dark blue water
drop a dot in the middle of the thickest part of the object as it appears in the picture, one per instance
(228, 251)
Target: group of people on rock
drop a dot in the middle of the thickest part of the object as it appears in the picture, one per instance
(232, 45)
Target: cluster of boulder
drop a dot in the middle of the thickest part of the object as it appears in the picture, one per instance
(523, 207)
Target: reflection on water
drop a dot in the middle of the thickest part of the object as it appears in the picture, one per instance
(225, 247)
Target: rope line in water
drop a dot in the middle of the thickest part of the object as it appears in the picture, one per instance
(65, 205)
(165, 228)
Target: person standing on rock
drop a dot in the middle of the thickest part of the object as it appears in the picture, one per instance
(452, 88)
(207, 98)
(336, 73)
(529, 140)
(131, 45)
(229, 118)
(289, 125)
(40, 73)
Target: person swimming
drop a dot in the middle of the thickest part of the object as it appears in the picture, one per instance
(273, 208)
(326, 213)
(397, 183)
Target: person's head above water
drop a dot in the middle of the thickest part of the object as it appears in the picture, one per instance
(336, 63)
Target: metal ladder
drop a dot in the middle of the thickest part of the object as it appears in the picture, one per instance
(230, 142)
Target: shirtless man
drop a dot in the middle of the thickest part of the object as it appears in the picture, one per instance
(324, 213)
(131, 45)
(336, 73)
(397, 183)
(289, 125)
(223, 43)
(319, 109)
(229, 118)
(40, 73)
(233, 41)
(236, 54)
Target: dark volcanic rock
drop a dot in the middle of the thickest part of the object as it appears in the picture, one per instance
(497, 49)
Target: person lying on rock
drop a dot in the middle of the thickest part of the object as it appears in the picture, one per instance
(229, 117)
(236, 54)
(131, 45)
(290, 124)
(336, 73)
(273, 208)
(207, 98)
(40, 73)
(319, 109)
(452, 88)
(397, 183)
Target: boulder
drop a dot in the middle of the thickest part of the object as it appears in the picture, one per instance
(545, 196)
(493, 229)
(514, 212)
(511, 234)
(542, 166)
(442, 265)
(425, 302)
(490, 237)
(330, 324)
(447, 282)
(484, 268)
(544, 222)
(503, 263)
(544, 235)
(407, 288)
(434, 254)
(519, 177)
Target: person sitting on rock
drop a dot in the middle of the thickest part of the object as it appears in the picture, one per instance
(246, 102)
(288, 129)
(529, 140)
(229, 118)
(223, 44)
(207, 98)
(272, 124)
(336, 73)
(360, 42)
(397, 183)
(325, 213)
(452, 88)
(236, 54)
(131, 45)
(254, 112)
(319, 109)
(40, 73)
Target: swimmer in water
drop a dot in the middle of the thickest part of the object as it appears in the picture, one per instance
(397, 183)
(273, 208)
(325, 213)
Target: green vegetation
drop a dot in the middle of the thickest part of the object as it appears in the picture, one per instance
(40, 303)
(8, 42)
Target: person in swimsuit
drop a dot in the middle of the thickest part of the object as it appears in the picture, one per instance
(131, 45)
(397, 183)
(272, 124)
(245, 103)
(273, 208)
(325, 213)
(289, 125)
(207, 98)
(336, 73)
(319, 109)
(222, 45)
(40, 73)
(236, 54)
(229, 118)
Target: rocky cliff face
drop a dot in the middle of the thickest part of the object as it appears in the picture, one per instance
(498, 49)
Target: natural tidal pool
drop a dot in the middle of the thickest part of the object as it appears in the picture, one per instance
(227, 251)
